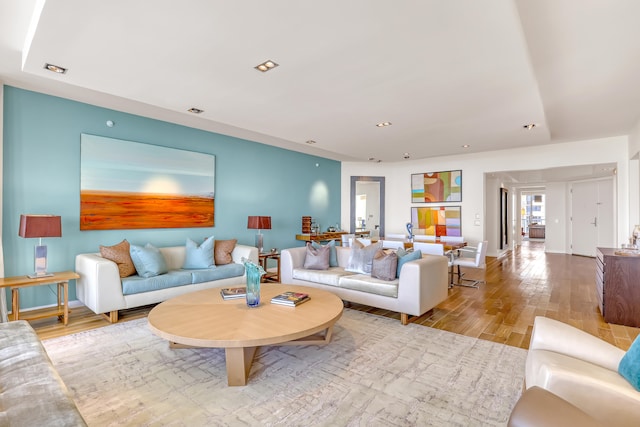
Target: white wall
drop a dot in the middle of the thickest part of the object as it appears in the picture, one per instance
(556, 216)
(634, 191)
(491, 215)
(3, 292)
(634, 141)
(634, 175)
(475, 166)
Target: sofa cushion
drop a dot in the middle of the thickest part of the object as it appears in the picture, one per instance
(148, 260)
(199, 256)
(222, 251)
(329, 277)
(361, 257)
(333, 256)
(404, 257)
(629, 366)
(120, 255)
(366, 283)
(317, 258)
(138, 284)
(384, 265)
(218, 273)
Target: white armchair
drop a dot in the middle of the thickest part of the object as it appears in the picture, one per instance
(347, 239)
(395, 236)
(452, 239)
(436, 249)
(424, 238)
(392, 244)
(473, 258)
(429, 248)
(583, 370)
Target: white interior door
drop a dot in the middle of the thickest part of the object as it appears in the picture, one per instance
(592, 216)
(606, 216)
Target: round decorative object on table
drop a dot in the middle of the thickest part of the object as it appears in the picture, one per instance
(627, 252)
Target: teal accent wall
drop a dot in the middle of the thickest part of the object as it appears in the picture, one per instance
(41, 172)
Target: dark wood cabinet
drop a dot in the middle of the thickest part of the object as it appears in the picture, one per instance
(537, 231)
(618, 287)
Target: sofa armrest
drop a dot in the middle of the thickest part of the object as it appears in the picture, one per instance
(99, 286)
(539, 407)
(424, 283)
(291, 259)
(244, 251)
(552, 335)
(600, 392)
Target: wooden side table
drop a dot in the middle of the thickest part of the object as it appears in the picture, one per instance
(270, 276)
(61, 279)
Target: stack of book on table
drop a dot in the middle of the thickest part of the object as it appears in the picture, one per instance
(233, 293)
(290, 298)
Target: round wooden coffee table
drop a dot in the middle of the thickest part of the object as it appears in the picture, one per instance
(204, 319)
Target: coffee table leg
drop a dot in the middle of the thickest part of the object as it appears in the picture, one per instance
(239, 360)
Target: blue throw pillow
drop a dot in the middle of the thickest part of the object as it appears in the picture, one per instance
(148, 260)
(199, 256)
(629, 366)
(404, 257)
(333, 256)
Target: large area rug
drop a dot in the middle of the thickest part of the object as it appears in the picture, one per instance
(375, 372)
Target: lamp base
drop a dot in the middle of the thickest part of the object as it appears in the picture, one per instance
(39, 275)
(40, 269)
(259, 243)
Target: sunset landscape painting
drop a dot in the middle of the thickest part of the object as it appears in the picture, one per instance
(130, 185)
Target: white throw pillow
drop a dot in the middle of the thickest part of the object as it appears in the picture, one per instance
(361, 257)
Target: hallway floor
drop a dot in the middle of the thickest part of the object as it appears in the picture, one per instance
(519, 286)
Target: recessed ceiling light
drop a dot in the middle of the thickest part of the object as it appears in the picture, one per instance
(406, 156)
(529, 126)
(466, 146)
(195, 110)
(310, 142)
(383, 124)
(55, 68)
(266, 66)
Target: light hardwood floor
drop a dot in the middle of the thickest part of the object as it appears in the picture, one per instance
(519, 286)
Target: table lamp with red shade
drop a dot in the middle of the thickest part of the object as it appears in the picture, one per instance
(40, 226)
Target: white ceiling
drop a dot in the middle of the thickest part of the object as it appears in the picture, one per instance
(445, 73)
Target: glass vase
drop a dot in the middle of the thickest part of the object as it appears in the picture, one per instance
(254, 276)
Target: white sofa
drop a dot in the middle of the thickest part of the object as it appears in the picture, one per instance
(583, 370)
(100, 287)
(32, 392)
(422, 284)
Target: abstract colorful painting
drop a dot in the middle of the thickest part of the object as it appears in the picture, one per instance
(129, 185)
(437, 221)
(436, 187)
